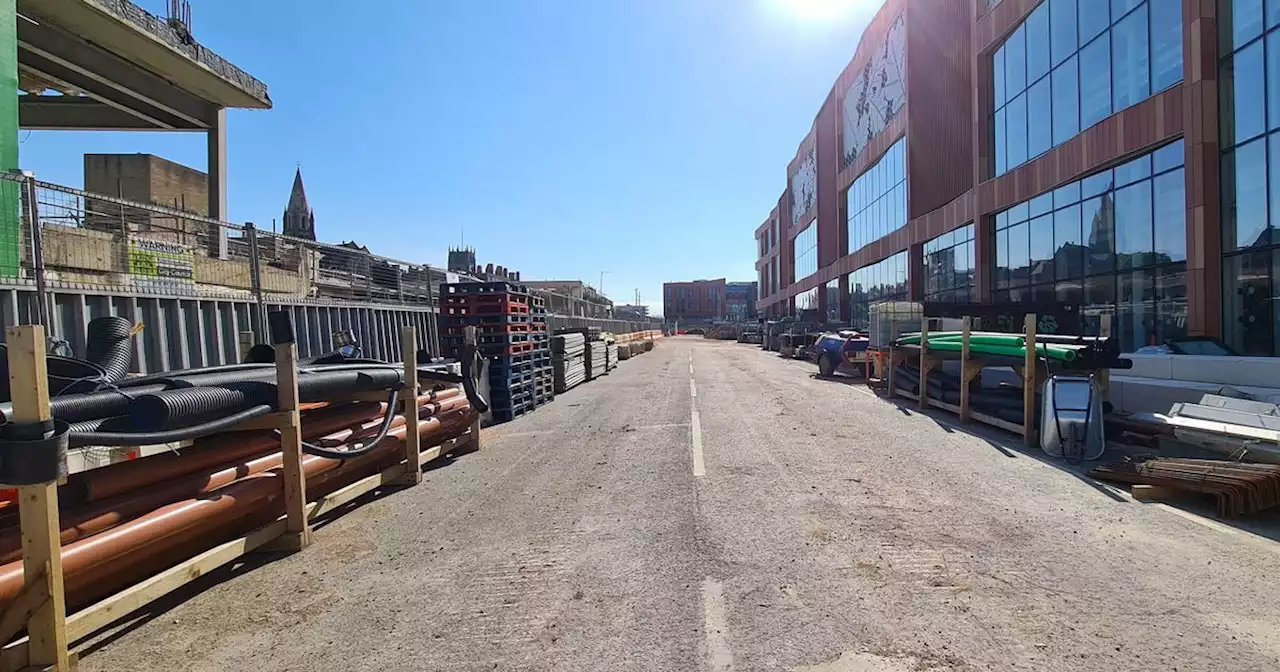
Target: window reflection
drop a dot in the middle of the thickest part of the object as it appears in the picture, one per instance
(1111, 243)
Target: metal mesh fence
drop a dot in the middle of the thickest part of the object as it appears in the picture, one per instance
(64, 237)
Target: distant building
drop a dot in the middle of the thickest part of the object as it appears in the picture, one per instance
(740, 301)
(572, 297)
(462, 260)
(642, 311)
(146, 178)
(696, 301)
(299, 218)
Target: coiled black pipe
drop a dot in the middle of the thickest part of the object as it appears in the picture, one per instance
(178, 407)
(108, 344)
(343, 452)
(182, 434)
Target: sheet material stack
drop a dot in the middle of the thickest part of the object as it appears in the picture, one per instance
(568, 363)
(596, 359)
(611, 357)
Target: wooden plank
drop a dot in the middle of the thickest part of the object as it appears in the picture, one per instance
(409, 406)
(38, 507)
(1029, 383)
(1154, 493)
(298, 534)
(996, 422)
(104, 613)
(965, 376)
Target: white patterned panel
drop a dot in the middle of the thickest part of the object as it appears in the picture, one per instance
(876, 95)
(804, 187)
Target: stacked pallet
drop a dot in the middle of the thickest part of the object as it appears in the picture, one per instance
(568, 361)
(611, 356)
(596, 359)
(511, 334)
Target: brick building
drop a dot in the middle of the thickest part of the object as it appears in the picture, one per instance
(1102, 156)
(146, 178)
(695, 301)
(740, 301)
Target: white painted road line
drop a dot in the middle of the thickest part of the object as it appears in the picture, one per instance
(719, 657)
(693, 389)
(695, 431)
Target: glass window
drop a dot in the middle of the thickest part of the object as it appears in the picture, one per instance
(1133, 225)
(1121, 7)
(1241, 21)
(1016, 131)
(1095, 184)
(1039, 130)
(1001, 144)
(1098, 218)
(1168, 157)
(1247, 314)
(1015, 62)
(1066, 102)
(1066, 195)
(1135, 310)
(1273, 79)
(1171, 303)
(1042, 249)
(1244, 194)
(1095, 82)
(1037, 27)
(1068, 253)
(1130, 67)
(1002, 258)
(1094, 16)
(1273, 13)
(1040, 204)
(1099, 300)
(1062, 17)
(1166, 44)
(1171, 217)
(1243, 85)
(1132, 171)
(1019, 254)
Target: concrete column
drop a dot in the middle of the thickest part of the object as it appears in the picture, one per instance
(1204, 224)
(218, 178)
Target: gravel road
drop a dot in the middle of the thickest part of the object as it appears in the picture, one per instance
(829, 531)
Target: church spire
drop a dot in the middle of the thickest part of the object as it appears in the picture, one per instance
(299, 219)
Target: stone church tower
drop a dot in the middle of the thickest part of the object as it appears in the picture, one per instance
(299, 219)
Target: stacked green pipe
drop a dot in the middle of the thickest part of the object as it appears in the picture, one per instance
(1008, 345)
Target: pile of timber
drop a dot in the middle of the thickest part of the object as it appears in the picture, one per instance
(1240, 489)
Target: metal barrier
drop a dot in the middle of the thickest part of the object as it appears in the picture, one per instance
(67, 256)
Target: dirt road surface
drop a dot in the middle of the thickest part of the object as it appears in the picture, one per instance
(709, 506)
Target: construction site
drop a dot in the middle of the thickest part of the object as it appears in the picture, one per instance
(226, 447)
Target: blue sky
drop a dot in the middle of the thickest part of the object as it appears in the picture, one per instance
(645, 138)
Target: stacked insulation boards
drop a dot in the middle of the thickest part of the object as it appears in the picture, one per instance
(568, 360)
(511, 334)
(611, 356)
(596, 359)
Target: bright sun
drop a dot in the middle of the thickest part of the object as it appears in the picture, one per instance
(818, 10)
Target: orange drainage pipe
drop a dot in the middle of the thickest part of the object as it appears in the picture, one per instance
(97, 560)
(101, 516)
(117, 479)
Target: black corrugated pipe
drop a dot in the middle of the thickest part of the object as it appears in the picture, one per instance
(109, 345)
(150, 438)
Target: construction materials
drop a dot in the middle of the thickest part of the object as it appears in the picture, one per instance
(568, 363)
(596, 359)
(1239, 489)
(511, 325)
(611, 356)
(253, 480)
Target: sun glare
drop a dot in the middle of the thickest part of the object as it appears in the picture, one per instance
(819, 10)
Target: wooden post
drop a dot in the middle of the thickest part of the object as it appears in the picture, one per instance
(964, 369)
(409, 407)
(924, 363)
(297, 534)
(42, 601)
(469, 336)
(1029, 383)
(245, 342)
